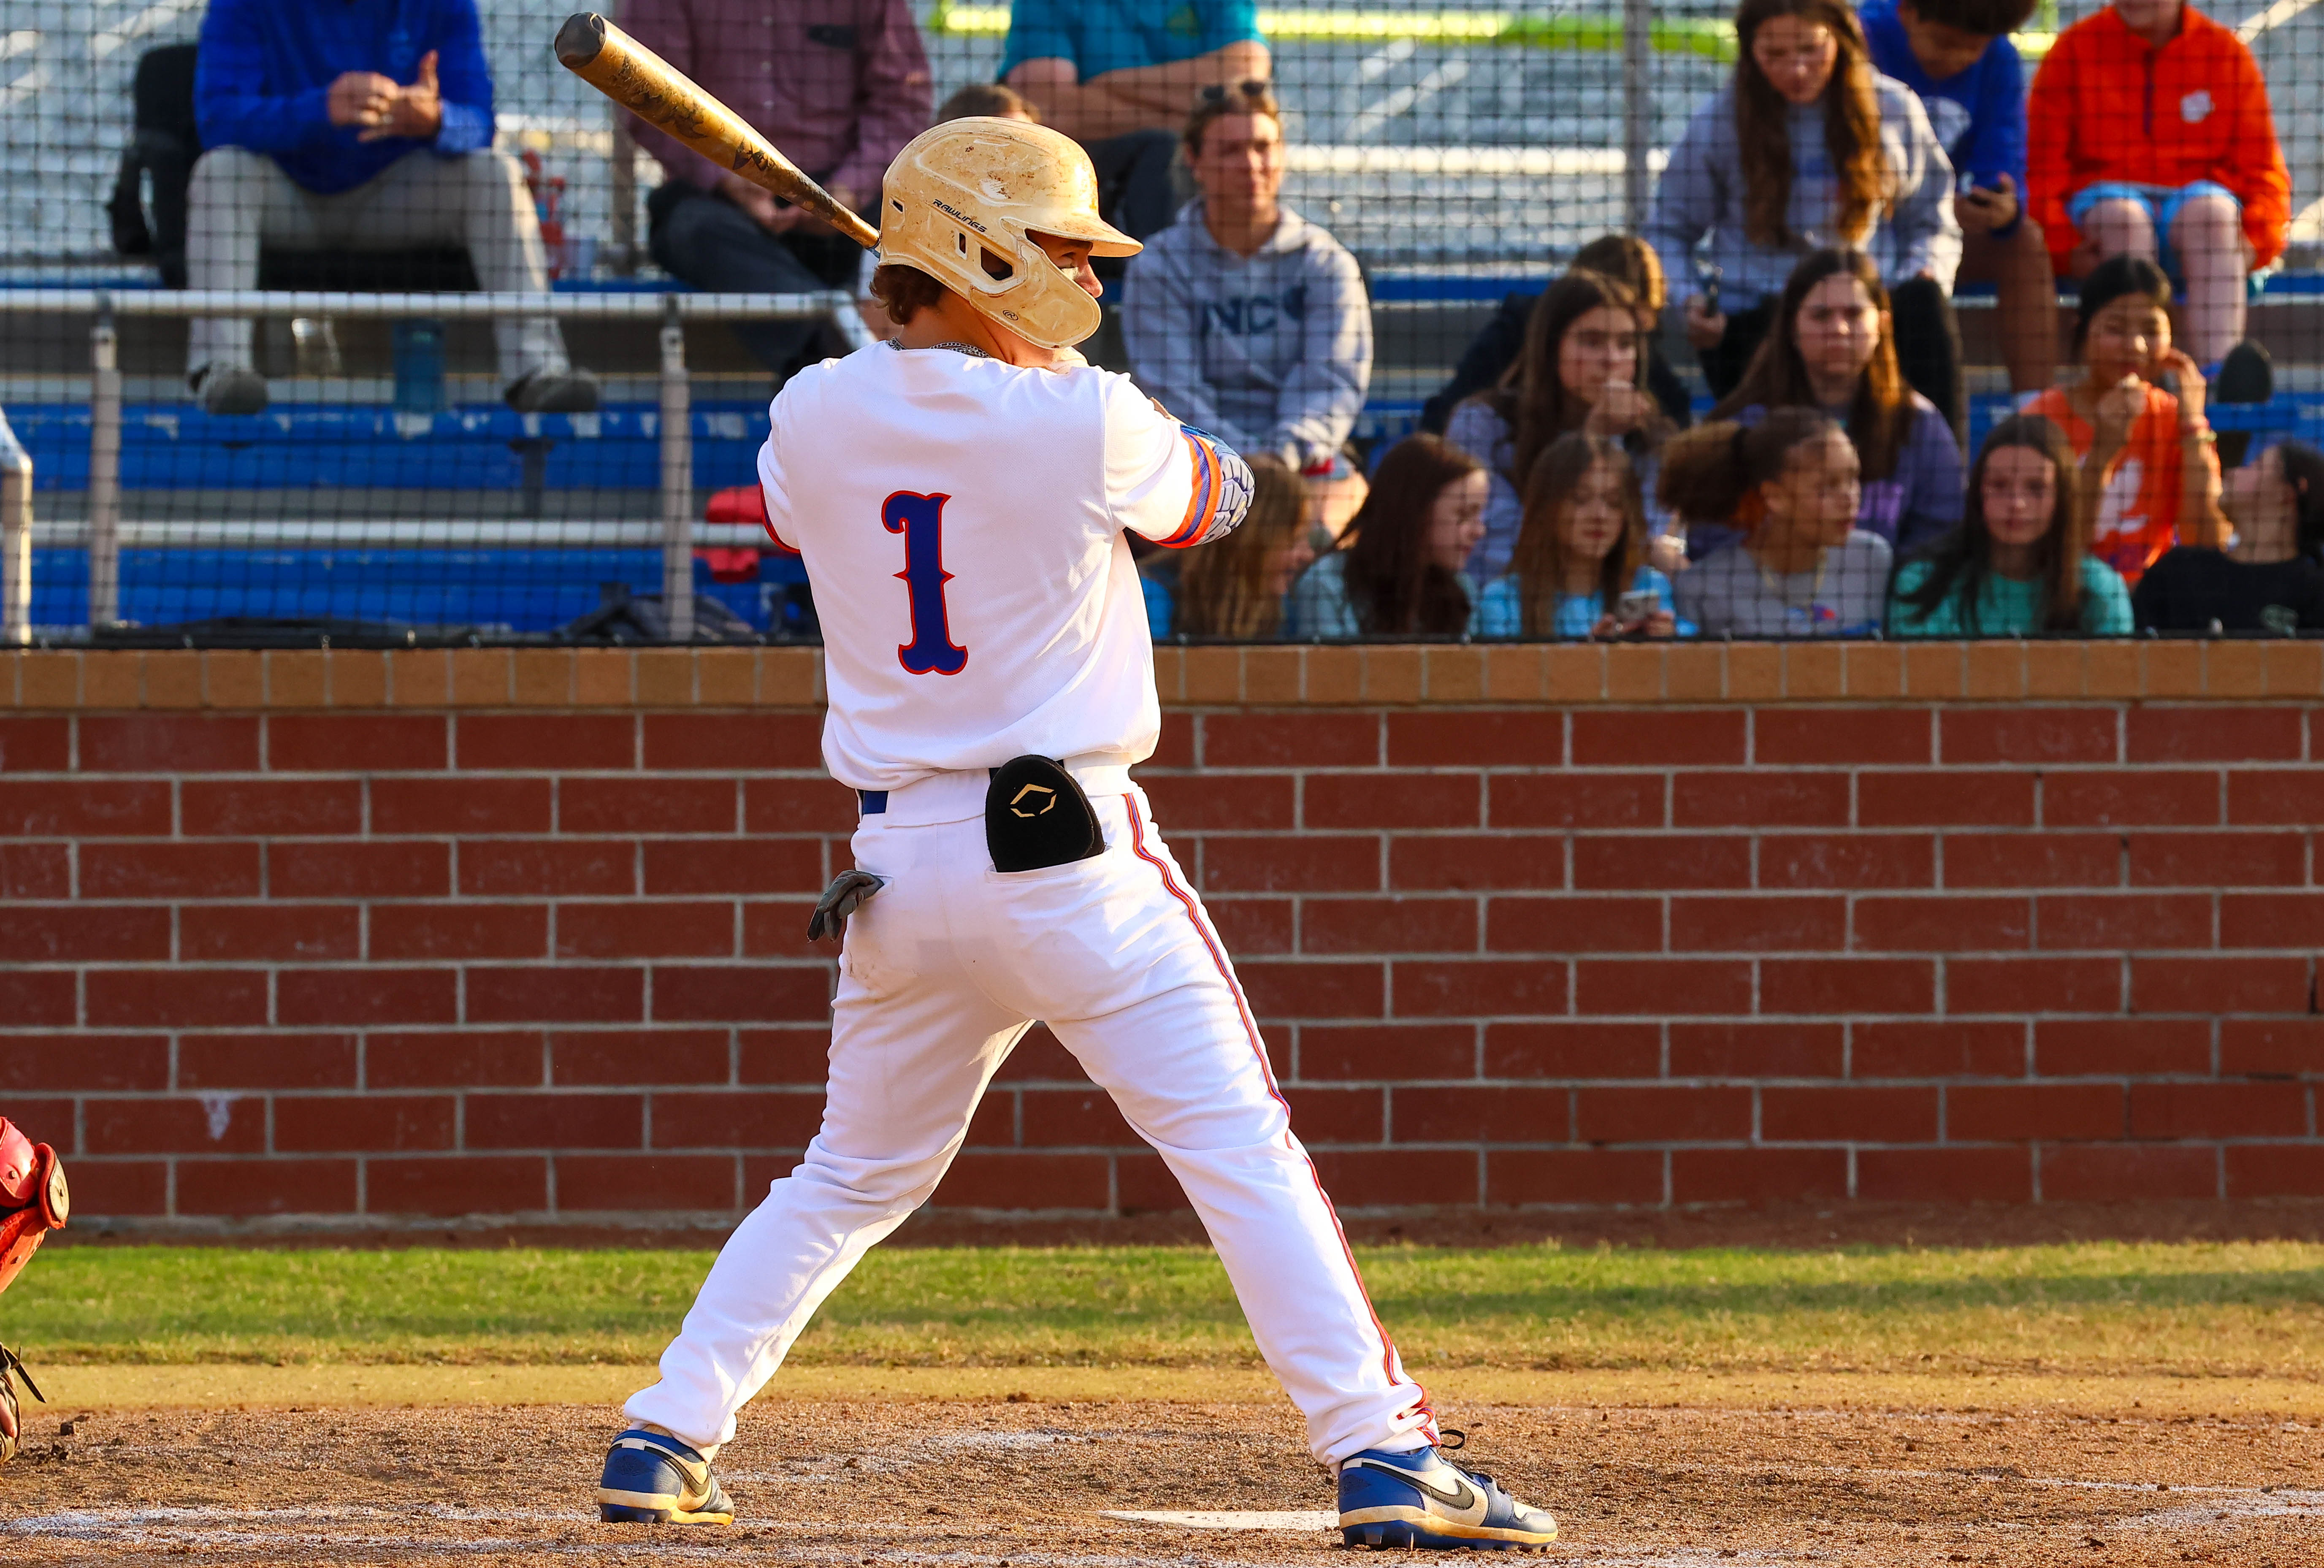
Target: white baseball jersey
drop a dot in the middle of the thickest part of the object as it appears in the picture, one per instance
(962, 522)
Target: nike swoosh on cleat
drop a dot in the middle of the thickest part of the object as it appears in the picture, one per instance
(1464, 1498)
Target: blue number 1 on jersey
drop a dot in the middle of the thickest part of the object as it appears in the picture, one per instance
(920, 520)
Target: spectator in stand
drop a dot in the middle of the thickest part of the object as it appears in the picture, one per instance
(1581, 565)
(1834, 349)
(988, 101)
(839, 85)
(1624, 258)
(2150, 455)
(1397, 572)
(2019, 564)
(1788, 484)
(1809, 147)
(1247, 320)
(2269, 579)
(365, 125)
(1116, 75)
(1579, 371)
(1956, 54)
(1236, 590)
(2151, 136)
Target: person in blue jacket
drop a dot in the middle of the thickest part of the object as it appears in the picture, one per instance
(1957, 57)
(357, 125)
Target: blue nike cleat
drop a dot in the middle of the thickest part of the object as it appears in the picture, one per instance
(653, 1479)
(1422, 1499)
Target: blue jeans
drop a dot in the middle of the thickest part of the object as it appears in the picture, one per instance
(2162, 203)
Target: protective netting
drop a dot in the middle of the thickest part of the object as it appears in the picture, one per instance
(1360, 218)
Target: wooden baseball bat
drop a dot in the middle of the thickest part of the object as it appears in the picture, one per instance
(660, 94)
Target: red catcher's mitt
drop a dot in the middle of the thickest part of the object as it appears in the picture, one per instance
(33, 1201)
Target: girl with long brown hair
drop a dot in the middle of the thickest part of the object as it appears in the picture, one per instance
(1581, 370)
(1581, 565)
(1397, 569)
(2020, 563)
(1807, 146)
(1235, 587)
(1788, 486)
(1623, 257)
(1834, 349)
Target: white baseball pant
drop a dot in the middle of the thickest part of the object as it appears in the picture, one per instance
(237, 198)
(942, 974)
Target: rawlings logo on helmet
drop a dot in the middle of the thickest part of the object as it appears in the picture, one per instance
(960, 203)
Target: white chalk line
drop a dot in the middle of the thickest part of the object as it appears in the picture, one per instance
(223, 1527)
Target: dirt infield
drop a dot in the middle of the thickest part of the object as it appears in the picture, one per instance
(985, 1483)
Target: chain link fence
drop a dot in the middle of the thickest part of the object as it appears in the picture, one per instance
(398, 481)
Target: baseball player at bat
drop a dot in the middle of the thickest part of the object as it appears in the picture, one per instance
(961, 497)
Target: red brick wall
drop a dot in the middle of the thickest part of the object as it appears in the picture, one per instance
(400, 961)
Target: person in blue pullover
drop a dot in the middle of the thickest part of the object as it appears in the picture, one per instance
(1955, 56)
(357, 125)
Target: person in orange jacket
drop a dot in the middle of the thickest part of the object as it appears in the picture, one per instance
(2149, 136)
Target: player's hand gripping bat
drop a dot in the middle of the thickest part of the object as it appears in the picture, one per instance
(660, 94)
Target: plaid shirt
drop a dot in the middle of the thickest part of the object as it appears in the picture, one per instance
(838, 86)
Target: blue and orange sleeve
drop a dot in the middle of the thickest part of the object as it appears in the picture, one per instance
(1222, 491)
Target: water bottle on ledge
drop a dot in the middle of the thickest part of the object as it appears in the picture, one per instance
(418, 349)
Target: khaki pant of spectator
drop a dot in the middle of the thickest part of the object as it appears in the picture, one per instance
(239, 198)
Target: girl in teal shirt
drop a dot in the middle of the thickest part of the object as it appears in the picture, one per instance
(2019, 565)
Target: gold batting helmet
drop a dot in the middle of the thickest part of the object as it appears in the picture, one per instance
(959, 202)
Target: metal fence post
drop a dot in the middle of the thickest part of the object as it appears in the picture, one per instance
(623, 252)
(1637, 109)
(15, 538)
(104, 468)
(677, 478)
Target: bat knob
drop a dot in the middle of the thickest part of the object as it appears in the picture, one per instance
(580, 40)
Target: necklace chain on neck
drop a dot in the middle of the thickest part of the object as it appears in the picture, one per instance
(970, 349)
(1776, 583)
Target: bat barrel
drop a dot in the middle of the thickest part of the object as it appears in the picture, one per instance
(660, 94)
(581, 40)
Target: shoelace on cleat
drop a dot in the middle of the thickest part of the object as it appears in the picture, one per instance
(1460, 1441)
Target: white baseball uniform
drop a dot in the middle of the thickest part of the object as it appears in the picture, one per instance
(962, 519)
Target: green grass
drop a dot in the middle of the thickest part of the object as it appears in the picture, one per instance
(1712, 37)
(2234, 1309)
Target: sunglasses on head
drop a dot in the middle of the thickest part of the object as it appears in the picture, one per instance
(1216, 93)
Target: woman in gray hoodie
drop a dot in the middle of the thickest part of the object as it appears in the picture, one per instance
(1809, 147)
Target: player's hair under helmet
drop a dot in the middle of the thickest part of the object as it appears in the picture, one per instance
(958, 202)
